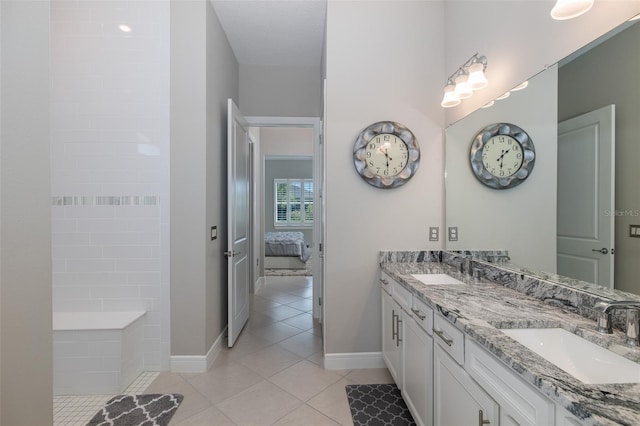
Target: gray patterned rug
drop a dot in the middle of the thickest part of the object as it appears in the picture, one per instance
(138, 410)
(378, 405)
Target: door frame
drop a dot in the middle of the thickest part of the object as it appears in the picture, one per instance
(318, 183)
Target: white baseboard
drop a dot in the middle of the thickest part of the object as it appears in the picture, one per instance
(198, 363)
(259, 284)
(354, 361)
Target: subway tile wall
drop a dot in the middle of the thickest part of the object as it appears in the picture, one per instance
(110, 162)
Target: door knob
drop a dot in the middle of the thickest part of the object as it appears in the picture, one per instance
(603, 251)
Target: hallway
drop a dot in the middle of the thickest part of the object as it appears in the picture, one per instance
(274, 373)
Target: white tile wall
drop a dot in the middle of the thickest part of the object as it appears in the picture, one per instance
(109, 145)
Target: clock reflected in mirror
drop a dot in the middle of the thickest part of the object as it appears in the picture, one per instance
(386, 154)
(502, 156)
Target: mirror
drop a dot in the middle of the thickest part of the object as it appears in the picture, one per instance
(524, 220)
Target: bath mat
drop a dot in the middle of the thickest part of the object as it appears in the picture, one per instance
(378, 405)
(306, 272)
(138, 410)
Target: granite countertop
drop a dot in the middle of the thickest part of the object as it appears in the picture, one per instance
(481, 308)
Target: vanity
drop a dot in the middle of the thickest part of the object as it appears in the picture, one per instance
(464, 347)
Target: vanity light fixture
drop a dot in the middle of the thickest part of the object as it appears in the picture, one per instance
(462, 83)
(568, 9)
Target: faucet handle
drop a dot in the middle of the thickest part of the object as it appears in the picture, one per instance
(604, 322)
(633, 327)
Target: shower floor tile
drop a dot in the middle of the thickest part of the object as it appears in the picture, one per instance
(77, 410)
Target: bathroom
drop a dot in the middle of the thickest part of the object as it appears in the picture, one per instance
(140, 168)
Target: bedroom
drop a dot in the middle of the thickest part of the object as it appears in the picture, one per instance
(286, 155)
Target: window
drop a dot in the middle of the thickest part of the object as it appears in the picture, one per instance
(293, 202)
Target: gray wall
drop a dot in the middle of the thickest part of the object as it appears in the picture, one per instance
(26, 359)
(405, 86)
(280, 91)
(284, 169)
(203, 75)
(608, 74)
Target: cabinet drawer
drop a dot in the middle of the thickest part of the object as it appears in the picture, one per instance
(449, 338)
(401, 295)
(520, 403)
(422, 313)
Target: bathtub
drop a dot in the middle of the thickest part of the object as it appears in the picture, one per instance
(96, 352)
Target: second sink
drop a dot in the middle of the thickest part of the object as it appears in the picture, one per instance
(586, 361)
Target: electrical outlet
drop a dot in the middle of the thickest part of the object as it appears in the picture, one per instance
(453, 233)
(634, 231)
(434, 233)
(214, 232)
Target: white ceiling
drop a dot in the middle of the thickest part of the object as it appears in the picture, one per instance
(274, 32)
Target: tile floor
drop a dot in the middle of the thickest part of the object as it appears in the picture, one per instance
(272, 376)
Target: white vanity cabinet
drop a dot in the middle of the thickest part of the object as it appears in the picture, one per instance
(417, 357)
(391, 340)
(458, 399)
(520, 403)
(446, 378)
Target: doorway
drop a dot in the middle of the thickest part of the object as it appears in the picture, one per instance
(264, 130)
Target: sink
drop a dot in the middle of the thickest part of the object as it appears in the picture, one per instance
(436, 279)
(586, 361)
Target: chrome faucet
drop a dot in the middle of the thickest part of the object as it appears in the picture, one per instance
(604, 309)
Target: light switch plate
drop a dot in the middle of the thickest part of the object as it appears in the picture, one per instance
(434, 233)
(634, 231)
(214, 232)
(453, 233)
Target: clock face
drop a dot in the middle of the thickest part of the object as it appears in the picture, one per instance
(386, 155)
(502, 156)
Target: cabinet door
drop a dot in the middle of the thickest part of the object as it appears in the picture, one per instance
(391, 348)
(417, 355)
(458, 400)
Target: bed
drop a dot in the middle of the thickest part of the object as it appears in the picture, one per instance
(285, 250)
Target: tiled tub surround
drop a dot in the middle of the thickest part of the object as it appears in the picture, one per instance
(96, 352)
(504, 299)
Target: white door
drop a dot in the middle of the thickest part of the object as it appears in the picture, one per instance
(238, 220)
(586, 170)
(318, 215)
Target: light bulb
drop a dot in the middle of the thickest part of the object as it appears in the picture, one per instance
(568, 9)
(462, 90)
(450, 99)
(477, 79)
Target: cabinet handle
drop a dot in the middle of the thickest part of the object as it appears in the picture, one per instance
(393, 324)
(443, 336)
(398, 340)
(481, 420)
(418, 314)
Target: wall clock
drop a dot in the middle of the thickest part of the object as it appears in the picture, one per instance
(386, 154)
(502, 156)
